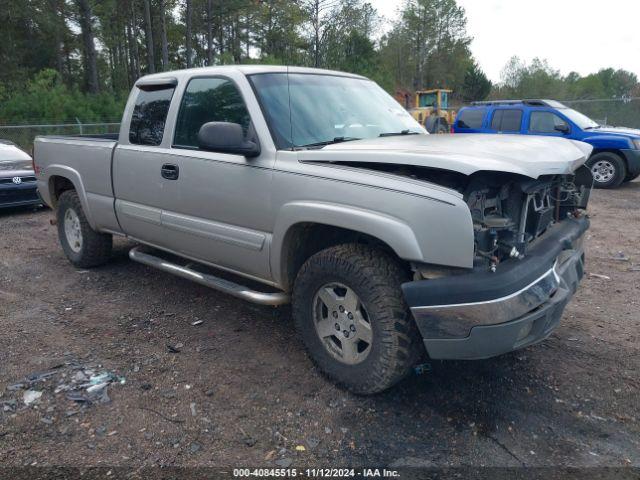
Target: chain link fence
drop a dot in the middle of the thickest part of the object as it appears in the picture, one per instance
(621, 112)
(23, 135)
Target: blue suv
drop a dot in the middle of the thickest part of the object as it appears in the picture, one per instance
(616, 151)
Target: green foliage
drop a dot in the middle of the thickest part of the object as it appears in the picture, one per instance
(44, 64)
(476, 85)
(428, 47)
(46, 99)
(602, 96)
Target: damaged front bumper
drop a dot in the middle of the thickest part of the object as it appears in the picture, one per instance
(483, 314)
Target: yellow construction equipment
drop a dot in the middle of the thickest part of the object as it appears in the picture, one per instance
(431, 110)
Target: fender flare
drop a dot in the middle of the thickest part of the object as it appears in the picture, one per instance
(74, 177)
(393, 231)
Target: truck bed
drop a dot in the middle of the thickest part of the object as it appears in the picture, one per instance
(86, 161)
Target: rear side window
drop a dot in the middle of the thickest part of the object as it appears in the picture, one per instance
(149, 116)
(209, 100)
(471, 118)
(506, 120)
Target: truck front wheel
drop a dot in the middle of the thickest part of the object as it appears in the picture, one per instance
(83, 246)
(349, 310)
(608, 170)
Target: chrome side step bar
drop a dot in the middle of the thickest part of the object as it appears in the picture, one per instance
(211, 281)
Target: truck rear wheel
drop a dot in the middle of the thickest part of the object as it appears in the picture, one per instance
(608, 170)
(83, 246)
(349, 310)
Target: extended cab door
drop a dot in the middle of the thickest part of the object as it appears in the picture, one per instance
(139, 188)
(213, 207)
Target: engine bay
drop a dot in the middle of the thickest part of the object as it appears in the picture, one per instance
(509, 211)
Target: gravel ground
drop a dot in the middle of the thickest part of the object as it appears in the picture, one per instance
(238, 389)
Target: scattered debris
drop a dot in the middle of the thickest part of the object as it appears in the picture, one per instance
(250, 441)
(80, 382)
(284, 462)
(301, 448)
(620, 257)
(177, 348)
(197, 322)
(312, 442)
(194, 447)
(597, 275)
(193, 409)
(31, 396)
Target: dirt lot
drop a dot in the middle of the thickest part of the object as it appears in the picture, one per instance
(238, 389)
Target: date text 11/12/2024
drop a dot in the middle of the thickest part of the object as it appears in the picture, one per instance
(315, 472)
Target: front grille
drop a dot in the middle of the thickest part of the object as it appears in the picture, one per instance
(18, 195)
(27, 179)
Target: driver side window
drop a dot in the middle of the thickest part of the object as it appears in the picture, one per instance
(546, 122)
(208, 100)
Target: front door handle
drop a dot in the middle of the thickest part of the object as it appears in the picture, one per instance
(170, 171)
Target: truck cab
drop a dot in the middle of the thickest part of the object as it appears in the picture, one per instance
(616, 151)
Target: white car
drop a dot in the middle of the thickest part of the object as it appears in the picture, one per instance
(17, 179)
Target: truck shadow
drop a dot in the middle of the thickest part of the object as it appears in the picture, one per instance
(20, 211)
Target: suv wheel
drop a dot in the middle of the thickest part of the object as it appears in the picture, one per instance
(608, 170)
(350, 312)
(83, 246)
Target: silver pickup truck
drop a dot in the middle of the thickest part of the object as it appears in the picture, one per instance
(314, 187)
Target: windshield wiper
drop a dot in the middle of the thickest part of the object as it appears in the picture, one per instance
(402, 132)
(329, 142)
(592, 128)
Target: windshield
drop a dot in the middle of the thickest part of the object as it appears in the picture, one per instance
(314, 110)
(581, 120)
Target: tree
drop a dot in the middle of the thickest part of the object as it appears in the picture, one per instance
(428, 46)
(90, 57)
(149, 36)
(163, 35)
(476, 85)
(188, 20)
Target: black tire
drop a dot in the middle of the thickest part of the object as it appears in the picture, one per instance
(442, 127)
(94, 248)
(375, 277)
(608, 170)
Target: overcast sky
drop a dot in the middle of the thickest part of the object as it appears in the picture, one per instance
(573, 35)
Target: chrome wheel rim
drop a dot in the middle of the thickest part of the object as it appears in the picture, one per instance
(72, 230)
(603, 171)
(342, 323)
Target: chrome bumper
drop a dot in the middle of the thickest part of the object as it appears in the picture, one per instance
(481, 314)
(487, 329)
(457, 320)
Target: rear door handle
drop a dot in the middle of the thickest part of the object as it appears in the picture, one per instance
(170, 171)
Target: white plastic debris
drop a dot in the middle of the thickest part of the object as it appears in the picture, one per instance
(31, 396)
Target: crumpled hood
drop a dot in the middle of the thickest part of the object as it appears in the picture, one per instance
(12, 158)
(531, 156)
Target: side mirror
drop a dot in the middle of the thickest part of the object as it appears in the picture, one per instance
(226, 137)
(562, 128)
